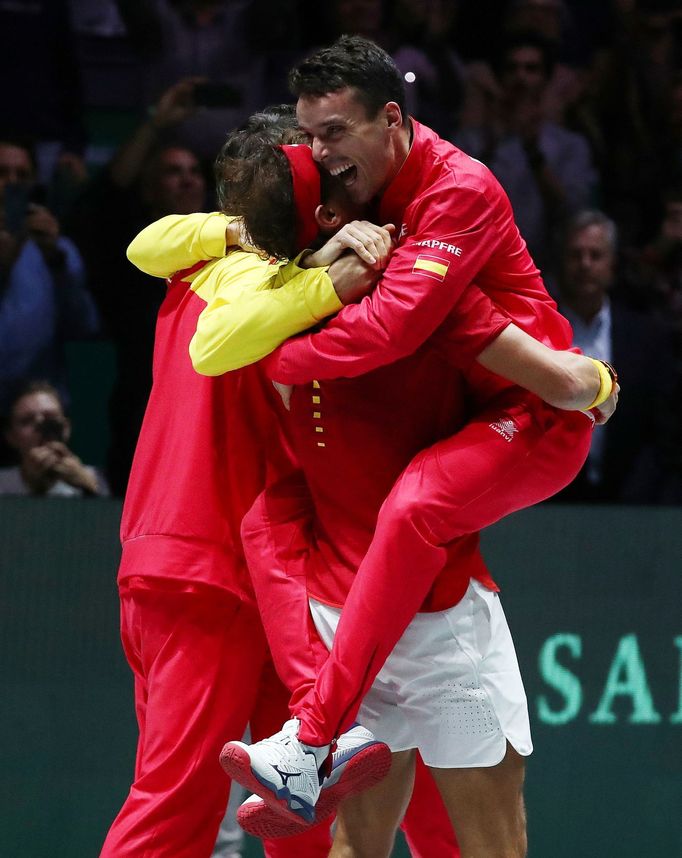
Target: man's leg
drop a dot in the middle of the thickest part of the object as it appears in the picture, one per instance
(426, 824)
(196, 659)
(276, 539)
(453, 687)
(486, 805)
(503, 460)
(275, 534)
(367, 823)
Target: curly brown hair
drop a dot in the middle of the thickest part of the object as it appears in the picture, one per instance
(273, 125)
(261, 191)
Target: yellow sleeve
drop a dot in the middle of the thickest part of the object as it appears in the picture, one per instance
(242, 324)
(178, 241)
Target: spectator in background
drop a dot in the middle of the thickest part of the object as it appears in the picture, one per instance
(226, 43)
(626, 455)
(655, 271)
(43, 298)
(146, 180)
(546, 170)
(38, 431)
(655, 283)
(574, 31)
(636, 109)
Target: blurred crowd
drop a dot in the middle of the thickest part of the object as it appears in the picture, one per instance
(113, 111)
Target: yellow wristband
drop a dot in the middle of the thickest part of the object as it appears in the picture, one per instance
(606, 382)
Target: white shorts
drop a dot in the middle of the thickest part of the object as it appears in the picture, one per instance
(451, 687)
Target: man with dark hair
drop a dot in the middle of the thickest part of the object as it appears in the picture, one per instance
(44, 299)
(38, 431)
(455, 225)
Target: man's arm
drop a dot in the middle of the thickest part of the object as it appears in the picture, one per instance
(563, 379)
(424, 280)
(245, 321)
(176, 242)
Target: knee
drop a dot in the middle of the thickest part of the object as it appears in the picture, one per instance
(406, 511)
(366, 843)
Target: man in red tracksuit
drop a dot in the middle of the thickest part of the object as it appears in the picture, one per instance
(189, 626)
(190, 629)
(455, 224)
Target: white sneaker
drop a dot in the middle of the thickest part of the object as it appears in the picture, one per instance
(280, 769)
(358, 763)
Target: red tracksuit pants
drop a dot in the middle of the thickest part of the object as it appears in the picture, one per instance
(515, 453)
(202, 672)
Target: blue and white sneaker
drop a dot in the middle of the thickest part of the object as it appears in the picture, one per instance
(280, 769)
(358, 763)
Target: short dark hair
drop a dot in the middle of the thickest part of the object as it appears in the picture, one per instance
(27, 387)
(274, 125)
(529, 39)
(351, 62)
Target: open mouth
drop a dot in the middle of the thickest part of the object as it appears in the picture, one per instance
(345, 173)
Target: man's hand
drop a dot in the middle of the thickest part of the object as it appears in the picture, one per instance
(373, 244)
(38, 467)
(176, 103)
(43, 227)
(68, 467)
(352, 278)
(604, 412)
(236, 236)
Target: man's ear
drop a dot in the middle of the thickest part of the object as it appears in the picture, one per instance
(327, 218)
(393, 114)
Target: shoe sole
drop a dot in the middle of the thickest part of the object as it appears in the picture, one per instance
(236, 763)
(367, 768)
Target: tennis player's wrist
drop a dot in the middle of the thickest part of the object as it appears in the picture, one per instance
(607, 379)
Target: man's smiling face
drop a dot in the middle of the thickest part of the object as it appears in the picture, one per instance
(364, 152)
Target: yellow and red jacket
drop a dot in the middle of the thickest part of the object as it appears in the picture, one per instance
(201, 454)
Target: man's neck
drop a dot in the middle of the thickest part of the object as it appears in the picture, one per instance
(403, 144)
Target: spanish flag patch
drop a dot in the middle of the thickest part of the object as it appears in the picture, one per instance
(431, 266)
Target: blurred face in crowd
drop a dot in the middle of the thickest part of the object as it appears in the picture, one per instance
(176, 184)
(29, 413)
(365, 152)
(16, 166)
(588, 264)
(523, 71)
(362, 17)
